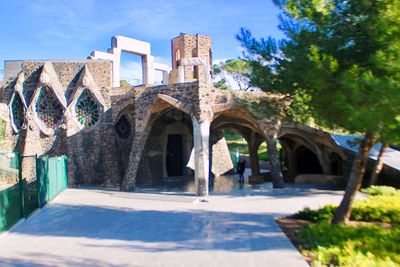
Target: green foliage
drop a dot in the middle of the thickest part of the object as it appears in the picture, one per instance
(375, 208)
(339, 245)
(238, 70)
(324, 214)
(124, 83)
(380, 190)
(342, 58)
(221, 84)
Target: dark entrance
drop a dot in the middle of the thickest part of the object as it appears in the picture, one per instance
(307, 162)
(174, 155)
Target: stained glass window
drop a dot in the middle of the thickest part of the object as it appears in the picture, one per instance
(27, 94)
(87, 109)
(48, 107)
(17, 109)
(123, 127)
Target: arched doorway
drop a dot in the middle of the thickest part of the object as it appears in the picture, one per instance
(167, 150)
(307, 161)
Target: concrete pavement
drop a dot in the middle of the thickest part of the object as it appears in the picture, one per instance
(110, 228)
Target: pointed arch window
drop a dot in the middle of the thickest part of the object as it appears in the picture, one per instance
(49, 108)
(123, 127)
(87, 109)
(17, 111)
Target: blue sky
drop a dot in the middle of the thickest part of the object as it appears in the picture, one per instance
(71, 29)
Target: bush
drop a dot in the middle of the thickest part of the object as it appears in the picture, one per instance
(375, 208)
(340, 245)
(380, 190)
(378, 209)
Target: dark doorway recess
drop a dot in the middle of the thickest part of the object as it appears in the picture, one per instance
(174, 155)
(307, 162)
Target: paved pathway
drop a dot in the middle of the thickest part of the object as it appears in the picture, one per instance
(109, 228)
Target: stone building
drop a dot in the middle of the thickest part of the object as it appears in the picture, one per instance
(125, 137)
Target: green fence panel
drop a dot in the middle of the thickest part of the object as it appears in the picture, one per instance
(52, 174)
(42, 170)
(11, 197)
(10, 206)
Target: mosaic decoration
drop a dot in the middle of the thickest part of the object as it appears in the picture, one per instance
(123, 127)
(48, 108)
(17, 109)
(87, 109)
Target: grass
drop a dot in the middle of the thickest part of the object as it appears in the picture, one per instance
(356, 245)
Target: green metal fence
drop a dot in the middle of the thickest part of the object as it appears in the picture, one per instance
(24, 190)
(52, 174)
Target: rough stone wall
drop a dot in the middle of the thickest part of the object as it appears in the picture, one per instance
(90, 159)
(68, 75)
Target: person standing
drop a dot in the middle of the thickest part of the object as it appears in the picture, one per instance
(241, 166)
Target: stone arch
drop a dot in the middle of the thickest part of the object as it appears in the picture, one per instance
(236, 118)
(167, 146)
(155, 106)
(177, 57)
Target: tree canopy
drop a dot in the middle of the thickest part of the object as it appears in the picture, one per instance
(341, 60)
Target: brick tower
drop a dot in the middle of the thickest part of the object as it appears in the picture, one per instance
(186, 46)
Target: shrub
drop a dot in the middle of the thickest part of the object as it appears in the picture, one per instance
(380, 190)
(323, 214)
(375, 208)
(378, 209)
(340, 245)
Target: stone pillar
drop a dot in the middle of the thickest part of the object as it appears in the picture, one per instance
(253, 151)
(276, 173)
(290, 160)
(143, 127)
(181, 74)
(148, 69)
(201, 137)
(165, 77)
(207, 76)
(116, 62)
(325, 162)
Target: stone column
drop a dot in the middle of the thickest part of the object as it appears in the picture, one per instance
(253, 152)
(201, 137)
(116, 62)
(276, 173)
(129, 181)
(165, 77)
(143, 126)
(148, 69)
(181, 74)
(325, 162)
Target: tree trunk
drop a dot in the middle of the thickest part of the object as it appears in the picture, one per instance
(378, 164)
(276, 173)
(342, 214)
